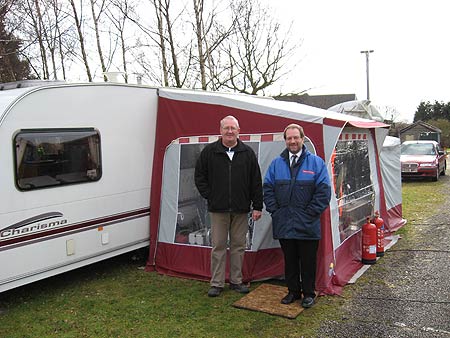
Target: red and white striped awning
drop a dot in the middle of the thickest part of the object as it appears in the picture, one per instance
(273, 137)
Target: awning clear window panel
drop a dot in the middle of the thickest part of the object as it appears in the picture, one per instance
(193, 222)
(352, 184)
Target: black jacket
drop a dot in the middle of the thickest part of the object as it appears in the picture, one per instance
(229, 186)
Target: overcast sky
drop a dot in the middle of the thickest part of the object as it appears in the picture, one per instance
(410, 39)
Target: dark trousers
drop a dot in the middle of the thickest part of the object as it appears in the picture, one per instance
(300, 257)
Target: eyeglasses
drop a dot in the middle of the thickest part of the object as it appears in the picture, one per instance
(230, 128)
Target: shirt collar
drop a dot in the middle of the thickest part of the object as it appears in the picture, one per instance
(298, 154)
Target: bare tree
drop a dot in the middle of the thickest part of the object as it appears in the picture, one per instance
(257, 51)
(118, 15)
(44, 27)
(27, 15)
(64, 38)
(170, 50)
(157, 38)
(55, 41)
(189, 43)
(198, 11)
(50, 14)
(165, 14)
(389, 113)
(33, 10)
(78, 22)
(210, 35)
(159, 18)
(12, 68)
(96, 19)
(47, 35)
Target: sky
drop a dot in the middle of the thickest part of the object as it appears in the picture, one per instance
(410, 40)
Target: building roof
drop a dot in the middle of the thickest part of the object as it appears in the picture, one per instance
(318, 101)
(420, 123)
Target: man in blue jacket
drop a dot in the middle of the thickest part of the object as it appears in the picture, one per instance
(227, 174)
(296, 192)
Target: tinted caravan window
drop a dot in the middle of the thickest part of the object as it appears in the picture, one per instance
(55, 157)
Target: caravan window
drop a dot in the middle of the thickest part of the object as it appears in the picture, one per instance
(55, 157)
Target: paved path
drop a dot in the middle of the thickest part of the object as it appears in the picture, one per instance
(407, 293)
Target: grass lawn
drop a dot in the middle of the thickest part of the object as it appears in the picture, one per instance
(117, 298)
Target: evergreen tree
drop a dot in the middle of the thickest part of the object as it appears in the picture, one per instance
(12, 68)
(436, 111)
(438, 115)
(444, 126)
(423, 112)
(446, 111)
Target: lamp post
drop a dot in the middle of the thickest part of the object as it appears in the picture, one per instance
(367, 52)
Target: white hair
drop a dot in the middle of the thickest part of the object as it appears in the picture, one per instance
(229, 117)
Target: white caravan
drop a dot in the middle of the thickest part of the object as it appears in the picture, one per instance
(75, 173)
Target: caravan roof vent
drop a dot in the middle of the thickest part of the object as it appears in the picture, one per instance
(117, 77)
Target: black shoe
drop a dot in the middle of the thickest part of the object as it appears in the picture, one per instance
(290, 298)
(241, 288)
(307, 302)
(214, 291)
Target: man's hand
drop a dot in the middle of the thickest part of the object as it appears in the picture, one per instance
(256, 215)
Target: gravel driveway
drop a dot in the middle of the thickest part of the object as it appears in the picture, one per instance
(407, 293)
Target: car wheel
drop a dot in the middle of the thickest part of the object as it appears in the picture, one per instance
(436, 175)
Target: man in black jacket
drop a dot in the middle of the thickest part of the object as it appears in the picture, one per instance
(227, 174)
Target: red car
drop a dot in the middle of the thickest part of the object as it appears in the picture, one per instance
(422, 159)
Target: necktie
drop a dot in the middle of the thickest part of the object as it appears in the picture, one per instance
(294, 159)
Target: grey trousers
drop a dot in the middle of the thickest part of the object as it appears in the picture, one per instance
(222, 225)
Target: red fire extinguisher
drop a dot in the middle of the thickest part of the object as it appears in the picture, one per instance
(369, 243)
(379, 223)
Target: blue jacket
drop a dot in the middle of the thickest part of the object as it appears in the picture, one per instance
(296, 202)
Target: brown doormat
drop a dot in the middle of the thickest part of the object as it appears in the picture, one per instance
(266, 298)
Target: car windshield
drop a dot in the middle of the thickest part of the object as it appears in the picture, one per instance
(418, 149)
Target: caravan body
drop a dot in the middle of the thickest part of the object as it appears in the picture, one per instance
(76, 165)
